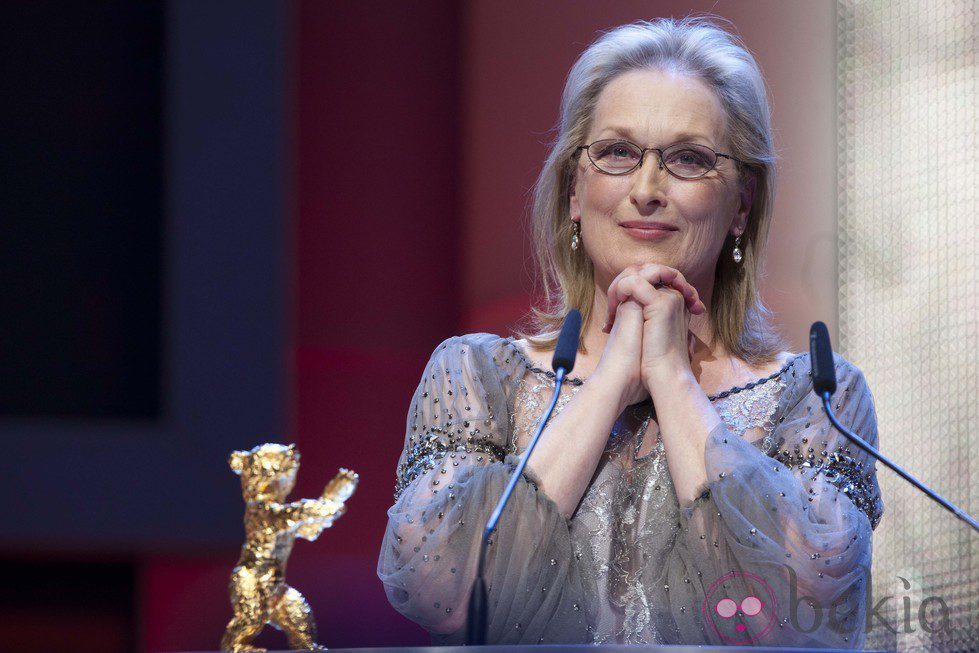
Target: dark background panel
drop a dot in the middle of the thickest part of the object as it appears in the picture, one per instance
(122, 481)
(81, 205)
(60, 604)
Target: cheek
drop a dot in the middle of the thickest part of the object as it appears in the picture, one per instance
(705, 214)
(601, 194)
(700, 203)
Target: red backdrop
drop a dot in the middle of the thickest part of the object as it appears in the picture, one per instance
(376, 285)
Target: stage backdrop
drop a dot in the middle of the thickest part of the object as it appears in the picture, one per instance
(417, 131)
(909, 291)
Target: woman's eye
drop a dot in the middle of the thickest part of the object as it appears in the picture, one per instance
(687, 158)
(619, 151)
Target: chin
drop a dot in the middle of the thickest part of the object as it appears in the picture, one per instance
(645, 256)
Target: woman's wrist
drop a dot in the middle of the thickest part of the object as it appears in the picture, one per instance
(668, 378)
(615, 389)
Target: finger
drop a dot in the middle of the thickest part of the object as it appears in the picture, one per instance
(659, 276)
(648, 297)
(626, 305)
(656, 275)
(655, 272)
(627, 287)
(612, 298)
(612, 303)
(647, 294)
(639, 289)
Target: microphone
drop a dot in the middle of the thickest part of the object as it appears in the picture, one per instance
(565, 353)
(566, 350)
(821, 355)
(824, 385)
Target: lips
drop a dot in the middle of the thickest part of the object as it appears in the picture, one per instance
(642, 224)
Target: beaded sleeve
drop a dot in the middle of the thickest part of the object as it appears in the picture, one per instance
(454, 466)
(776, 549)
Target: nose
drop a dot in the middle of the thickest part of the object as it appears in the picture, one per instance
(656, 154)
(649, 181)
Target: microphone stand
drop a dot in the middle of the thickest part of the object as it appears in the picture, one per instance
(958, 512)
(478, 600)
(824, 385)
(565, 353)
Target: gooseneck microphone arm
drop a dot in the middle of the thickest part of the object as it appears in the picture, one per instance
(564, 358)
(958, 512)
(824, 385)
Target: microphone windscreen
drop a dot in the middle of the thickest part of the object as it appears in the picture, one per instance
(821, 357)
(567, 342)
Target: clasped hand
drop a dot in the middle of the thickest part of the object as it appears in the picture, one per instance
(649, 309)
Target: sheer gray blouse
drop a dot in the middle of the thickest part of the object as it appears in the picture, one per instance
(774, 551)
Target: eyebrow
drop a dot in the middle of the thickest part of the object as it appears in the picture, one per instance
(682, 137)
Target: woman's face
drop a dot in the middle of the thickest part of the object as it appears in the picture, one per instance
(656, 109)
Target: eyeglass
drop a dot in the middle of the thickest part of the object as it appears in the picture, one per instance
(682, 160)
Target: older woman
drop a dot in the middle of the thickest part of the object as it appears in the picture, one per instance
(689, 488)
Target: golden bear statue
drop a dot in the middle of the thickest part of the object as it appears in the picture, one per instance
(259, 594)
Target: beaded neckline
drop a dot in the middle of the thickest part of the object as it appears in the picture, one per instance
(573, 380)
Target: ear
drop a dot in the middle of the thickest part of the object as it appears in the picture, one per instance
(746, 201)
(237, 461)
(574, 206)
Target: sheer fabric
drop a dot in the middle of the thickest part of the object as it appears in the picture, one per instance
(774, 551)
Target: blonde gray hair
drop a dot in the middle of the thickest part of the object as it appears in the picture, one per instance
(695, 46)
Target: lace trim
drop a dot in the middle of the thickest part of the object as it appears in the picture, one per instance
(749, 386)
(754, 409)
(740, 413)
(574, 380)
(528, 401)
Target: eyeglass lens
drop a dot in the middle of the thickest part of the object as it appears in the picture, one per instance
(682, 159)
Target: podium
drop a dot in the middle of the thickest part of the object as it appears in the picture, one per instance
(575, 648)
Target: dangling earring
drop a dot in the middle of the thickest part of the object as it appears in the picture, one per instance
(575, 235)
(736, 254)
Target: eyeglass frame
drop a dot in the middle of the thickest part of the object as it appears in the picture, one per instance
(659, 151)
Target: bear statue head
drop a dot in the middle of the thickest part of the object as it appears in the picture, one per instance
(268, 472)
